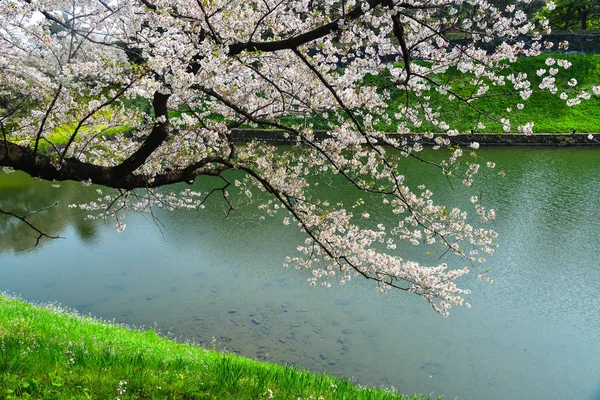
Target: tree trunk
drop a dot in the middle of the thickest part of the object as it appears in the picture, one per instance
(584, 19)
(567, 18)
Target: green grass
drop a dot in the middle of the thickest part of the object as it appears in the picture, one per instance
(549, 112)
(49, 353)
(61, 135)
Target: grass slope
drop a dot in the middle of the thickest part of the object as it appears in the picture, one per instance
(47, 353)
(549, 112)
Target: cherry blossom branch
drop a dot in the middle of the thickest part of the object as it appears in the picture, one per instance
(89, 115)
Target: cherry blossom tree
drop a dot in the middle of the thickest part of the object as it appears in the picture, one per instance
(171, 79)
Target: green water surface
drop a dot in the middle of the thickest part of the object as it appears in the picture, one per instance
(533, 334)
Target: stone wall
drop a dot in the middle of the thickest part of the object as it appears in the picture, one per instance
(579, 139)
(584, 43)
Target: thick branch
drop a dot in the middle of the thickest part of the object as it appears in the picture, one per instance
(399, 33)
(42, 166)
(157, 136)
(299, 40)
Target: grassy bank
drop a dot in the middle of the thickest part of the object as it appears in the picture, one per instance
(47, 353)
(549, 112)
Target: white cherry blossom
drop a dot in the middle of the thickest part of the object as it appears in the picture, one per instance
(174, 78)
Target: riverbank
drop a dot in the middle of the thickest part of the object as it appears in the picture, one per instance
(47, 352)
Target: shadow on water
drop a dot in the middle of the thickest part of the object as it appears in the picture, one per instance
(595, 394)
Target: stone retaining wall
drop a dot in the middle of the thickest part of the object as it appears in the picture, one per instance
(513, 139)
(584, 42)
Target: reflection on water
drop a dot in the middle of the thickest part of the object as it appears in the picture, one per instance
(533, 334)
(46, 208)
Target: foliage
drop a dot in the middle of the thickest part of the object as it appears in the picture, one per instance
(573, 14)
(256, 62)
(47, 353)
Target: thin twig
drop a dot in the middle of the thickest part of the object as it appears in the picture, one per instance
(23, 219)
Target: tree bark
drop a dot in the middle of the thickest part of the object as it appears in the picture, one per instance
(584, 19)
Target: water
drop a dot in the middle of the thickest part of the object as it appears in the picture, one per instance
(533, 334)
